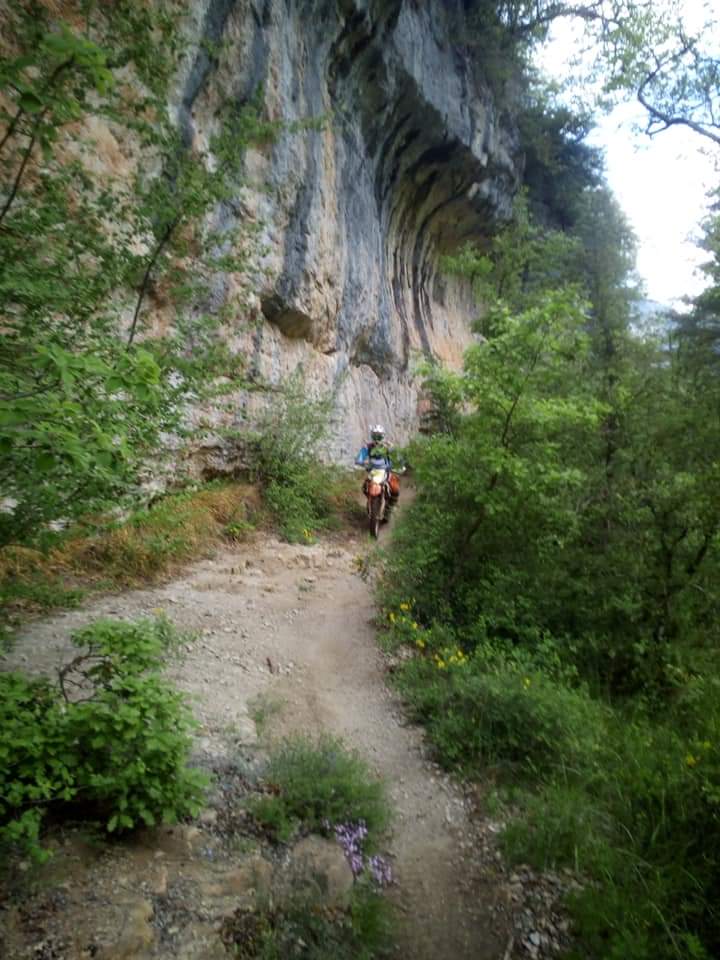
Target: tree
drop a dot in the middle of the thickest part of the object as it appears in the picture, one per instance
(652, 51)
(82, 401)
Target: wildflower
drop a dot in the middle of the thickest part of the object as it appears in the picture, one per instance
(405, 607)
(441, 664)
(380, 871)
(414, 625)
(391, 617)
(351, 837)
(690, 760)
(420, 643)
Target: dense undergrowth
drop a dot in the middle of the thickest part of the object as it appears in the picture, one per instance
(557, 579)
(108, 740)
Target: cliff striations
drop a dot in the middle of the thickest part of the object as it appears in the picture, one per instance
(411, 158)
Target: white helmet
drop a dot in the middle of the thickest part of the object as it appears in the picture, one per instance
(378, 432)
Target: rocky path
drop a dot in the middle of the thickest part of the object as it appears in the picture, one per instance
(285, 636)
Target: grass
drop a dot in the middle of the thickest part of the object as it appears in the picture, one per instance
(307, 930)
(262, 709)
(154, 542)
(150, 544)
(318, 786)
(314, 498)
(315, 786)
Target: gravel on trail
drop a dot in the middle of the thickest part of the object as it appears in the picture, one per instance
(284, 634)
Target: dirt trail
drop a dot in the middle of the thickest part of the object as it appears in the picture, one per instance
(292, 625)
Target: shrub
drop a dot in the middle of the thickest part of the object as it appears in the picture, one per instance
(644, 825)
(318, 786)
(112, 736)
(306, 929)
(483, 711)
(287, 462)
(299, 504)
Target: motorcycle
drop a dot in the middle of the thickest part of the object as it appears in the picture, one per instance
(381, 487)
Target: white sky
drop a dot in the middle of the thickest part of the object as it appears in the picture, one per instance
(662, 185)
(660, 182)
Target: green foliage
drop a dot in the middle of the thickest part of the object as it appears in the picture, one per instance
(113, 737)
(644, 824)
(560, 167)
(519, 264)
(306, 929)
(82, 247)
(699, 330)
(650, 51)
(318, 785)
(491, 710)
(562, 557)
(286, 461)
(443, 390)
(38, 593)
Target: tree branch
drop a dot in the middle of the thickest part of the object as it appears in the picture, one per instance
(660, 116)
(146, 278)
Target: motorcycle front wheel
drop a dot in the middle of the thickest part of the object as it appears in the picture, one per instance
(375, 513)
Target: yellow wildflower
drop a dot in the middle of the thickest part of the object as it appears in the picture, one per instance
(420, 643)
(690, 760)
(405, 606)
(391, 617)
(414, 625)
(441, 664)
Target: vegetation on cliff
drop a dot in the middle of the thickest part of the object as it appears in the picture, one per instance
(83, 244)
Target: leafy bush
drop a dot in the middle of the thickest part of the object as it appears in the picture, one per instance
(317, 786)
(286, 461)
(111, 736)
(645, 826)
(483, 710)
(299, 504)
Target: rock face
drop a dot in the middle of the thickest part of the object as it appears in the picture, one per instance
(354, 213)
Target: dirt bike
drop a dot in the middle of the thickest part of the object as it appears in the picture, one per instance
(379, 487)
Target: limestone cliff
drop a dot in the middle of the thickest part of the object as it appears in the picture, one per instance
(413, 158)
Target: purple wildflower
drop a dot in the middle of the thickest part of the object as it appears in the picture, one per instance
(351, 836)
(381, 871)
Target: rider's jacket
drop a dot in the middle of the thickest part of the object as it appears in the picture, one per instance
(375, 454)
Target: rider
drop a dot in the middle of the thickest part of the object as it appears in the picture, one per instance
(376, 455)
